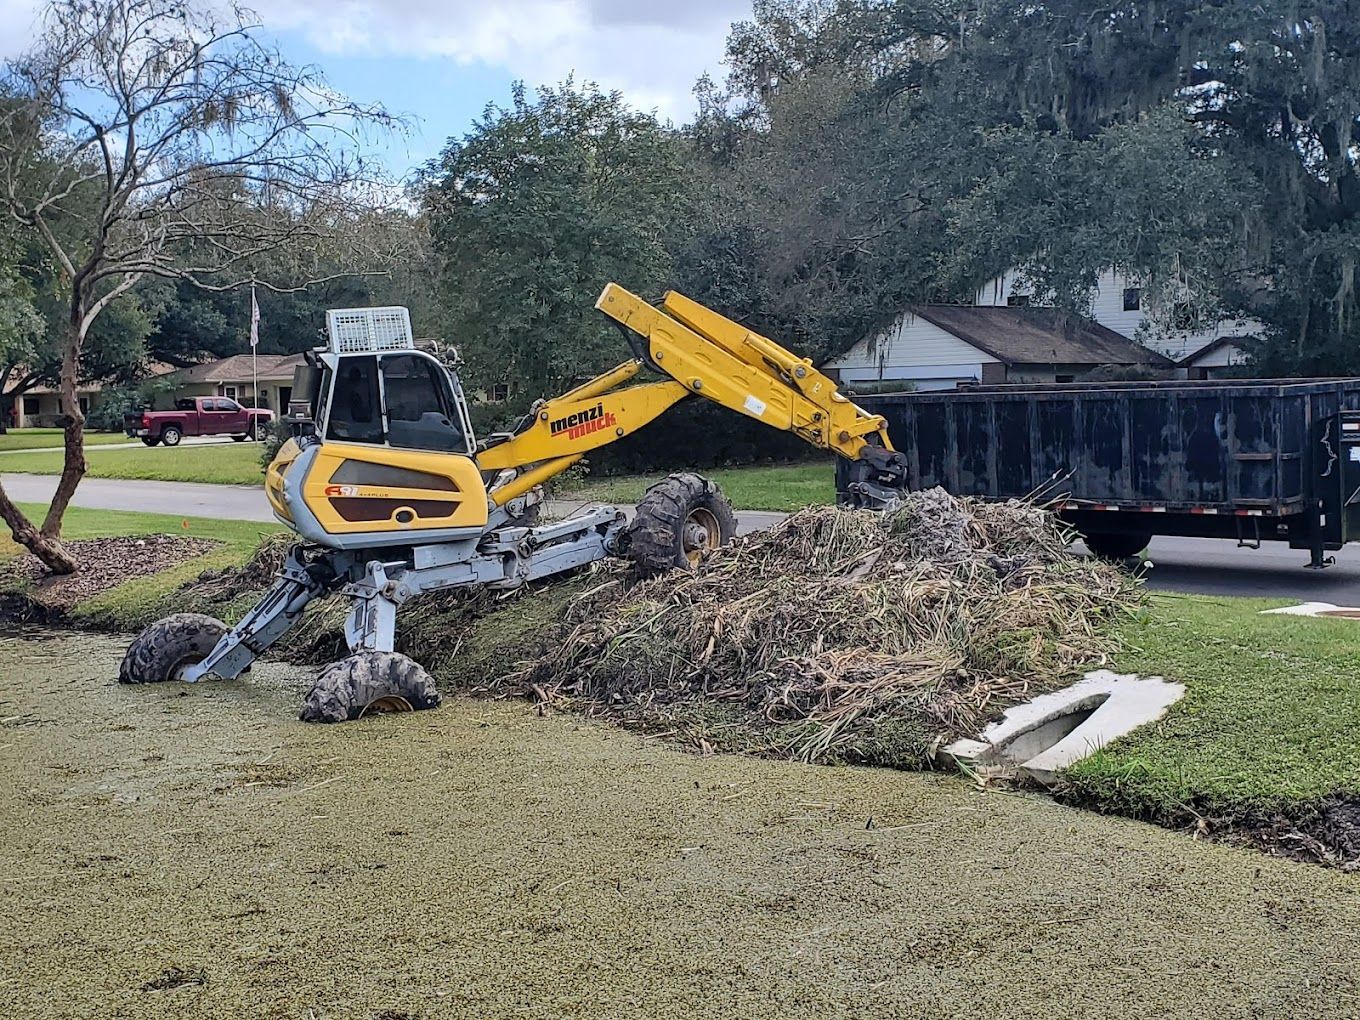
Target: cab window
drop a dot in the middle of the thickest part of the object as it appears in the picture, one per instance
(421, 414)
(355, 415)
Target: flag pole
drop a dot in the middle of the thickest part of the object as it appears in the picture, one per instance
(254, 350)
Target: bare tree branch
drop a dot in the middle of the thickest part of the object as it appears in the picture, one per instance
(150, 138)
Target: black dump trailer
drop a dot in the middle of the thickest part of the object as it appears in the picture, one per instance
(1251, 460)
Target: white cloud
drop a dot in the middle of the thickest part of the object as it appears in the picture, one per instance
(652, 50)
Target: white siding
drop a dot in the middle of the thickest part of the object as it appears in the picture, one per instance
(912, 349)
(1107, 306)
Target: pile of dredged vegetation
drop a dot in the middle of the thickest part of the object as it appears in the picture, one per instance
(836, 636)
(844, 635)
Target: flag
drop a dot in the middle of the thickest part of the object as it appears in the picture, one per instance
(254, 320)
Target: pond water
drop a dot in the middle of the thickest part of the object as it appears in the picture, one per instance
(194, 851)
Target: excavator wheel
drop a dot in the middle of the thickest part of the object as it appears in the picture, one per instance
(367, 683)
(160, 651)
(678, 521)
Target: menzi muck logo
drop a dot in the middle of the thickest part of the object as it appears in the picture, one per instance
(583, 423)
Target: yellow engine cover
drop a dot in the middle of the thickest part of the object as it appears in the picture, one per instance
(354, 489)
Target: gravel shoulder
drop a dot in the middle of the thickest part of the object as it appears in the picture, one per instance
(195, 852)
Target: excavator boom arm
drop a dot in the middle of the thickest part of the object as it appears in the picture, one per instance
(710, 356)
(720, 359)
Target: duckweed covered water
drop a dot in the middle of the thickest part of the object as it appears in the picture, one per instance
(180, 851)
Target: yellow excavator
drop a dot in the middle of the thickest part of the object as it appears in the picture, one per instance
(392, 496)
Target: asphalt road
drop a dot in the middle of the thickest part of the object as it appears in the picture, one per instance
(1200, 565)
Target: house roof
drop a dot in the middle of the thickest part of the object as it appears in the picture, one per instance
(1216, 344)
(237, 368)
(149, 370)
(1038, 336)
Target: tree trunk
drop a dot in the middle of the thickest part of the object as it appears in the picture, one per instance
(73, 467)
(55, 556)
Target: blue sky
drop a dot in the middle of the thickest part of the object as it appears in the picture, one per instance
(442, 61)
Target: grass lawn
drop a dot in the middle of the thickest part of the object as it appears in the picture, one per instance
(36, 439)
(779, 487)
(1270, 719)
(226, 464)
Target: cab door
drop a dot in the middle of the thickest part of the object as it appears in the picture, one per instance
(235, 418)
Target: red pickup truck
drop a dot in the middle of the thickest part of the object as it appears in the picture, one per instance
(197, 416)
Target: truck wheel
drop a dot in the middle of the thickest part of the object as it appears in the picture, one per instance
(1118, 547)
(150, 441)
(366, 683)
(678, 521)
(159, 653)
(170, 435)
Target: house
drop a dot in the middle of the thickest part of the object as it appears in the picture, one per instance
(234, 377)
(1210, 360)
(40, 406)
(935, 347)
(1120, 303)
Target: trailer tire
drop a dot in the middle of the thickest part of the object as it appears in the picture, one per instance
(1117, 546)
(159, 652)
(150, 440)
(367, 683)
(239, 439)
(171, 435)
(677, 522)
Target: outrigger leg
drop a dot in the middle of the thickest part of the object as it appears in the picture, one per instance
(297, 584)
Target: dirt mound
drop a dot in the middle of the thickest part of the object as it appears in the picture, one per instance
(105, 563)
(844, 635)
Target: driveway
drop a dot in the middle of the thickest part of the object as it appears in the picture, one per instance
(1201, 565)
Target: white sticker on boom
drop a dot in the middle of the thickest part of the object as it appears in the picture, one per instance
(754, 406)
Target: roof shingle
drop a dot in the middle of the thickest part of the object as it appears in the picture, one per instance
(237, 368)
(1038, 336)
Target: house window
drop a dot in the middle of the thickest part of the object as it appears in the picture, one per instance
(31, 405)
(499, 393)
(1018, 301)
(1133, 299)
(229, 391)
(84, 404)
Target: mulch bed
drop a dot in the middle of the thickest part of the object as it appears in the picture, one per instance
(104, 563)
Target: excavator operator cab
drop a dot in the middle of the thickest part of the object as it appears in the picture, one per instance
(381, 441)
(370, 384)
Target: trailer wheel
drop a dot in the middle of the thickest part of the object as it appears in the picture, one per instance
(678, 521)
(1117, 546)
(163, 649)
(150, 440)
(368, 683)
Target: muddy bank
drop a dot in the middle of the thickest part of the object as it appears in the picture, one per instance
(195, 852)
